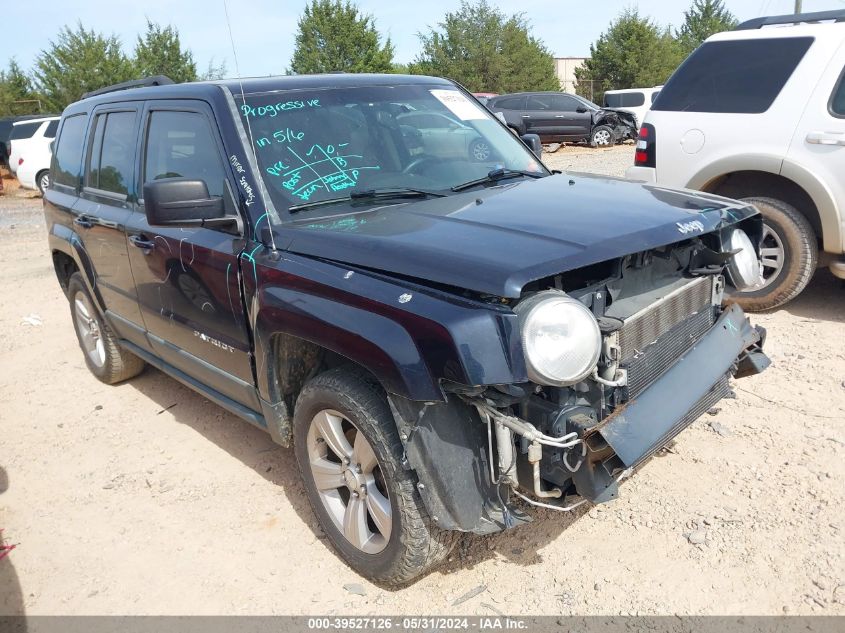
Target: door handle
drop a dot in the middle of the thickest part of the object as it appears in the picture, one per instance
(142, 242)
(826, 138)
(560, 116)
(83, 221)
(526, 116)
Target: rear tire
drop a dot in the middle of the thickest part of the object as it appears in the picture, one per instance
(790, 255)
(334, 412)
(109, 362)
(42, 180)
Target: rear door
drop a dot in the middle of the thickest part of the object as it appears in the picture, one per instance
(187, 279)
(104, 205)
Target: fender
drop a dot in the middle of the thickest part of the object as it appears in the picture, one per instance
(832, 230)
(65, 240)
(820, 194)
(363, 316)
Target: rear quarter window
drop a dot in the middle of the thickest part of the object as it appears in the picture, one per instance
(67, 159)
(743, 77)
(624, 100)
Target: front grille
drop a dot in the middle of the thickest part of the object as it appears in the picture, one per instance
(644, 327)
(656, 358)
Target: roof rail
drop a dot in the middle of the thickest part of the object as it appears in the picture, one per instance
(155, 80)
(796, 18)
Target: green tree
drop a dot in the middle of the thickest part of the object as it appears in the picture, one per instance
(159, 52)
(633, 53)
(76, 62)
(704, 18)
(484, 50)
(333, 36)
(214, 71)
(16, 88)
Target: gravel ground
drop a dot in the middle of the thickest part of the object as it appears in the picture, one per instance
(611, 161)
(145, 498)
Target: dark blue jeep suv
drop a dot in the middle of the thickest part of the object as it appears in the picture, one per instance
(446, 336)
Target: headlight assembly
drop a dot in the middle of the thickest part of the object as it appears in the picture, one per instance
(561, 340)
(744, 267)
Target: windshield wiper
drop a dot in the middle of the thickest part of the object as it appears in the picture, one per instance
(496, 175)
(371, 194)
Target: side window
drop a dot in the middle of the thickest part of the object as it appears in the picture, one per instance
(539, 102)
(654, 95)
(509, 103)
(837, 101)
(112, 157)
(23, 130)
(52, 127)
(562, 103)
(181, 145)
(68, 156)
(737, 76)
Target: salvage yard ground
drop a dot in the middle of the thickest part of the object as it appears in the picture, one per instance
(145, 498)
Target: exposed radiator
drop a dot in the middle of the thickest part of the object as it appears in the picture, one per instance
(644, 327)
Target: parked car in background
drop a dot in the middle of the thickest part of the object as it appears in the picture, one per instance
(758, 114)
(637, 101)
(558, 116)
(34, 166)
(434, 334)
(6, 129)
(32, 137)
(443, 135)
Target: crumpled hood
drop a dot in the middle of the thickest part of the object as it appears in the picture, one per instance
(496, 240)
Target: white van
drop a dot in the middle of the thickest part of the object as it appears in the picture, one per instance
(637, 101)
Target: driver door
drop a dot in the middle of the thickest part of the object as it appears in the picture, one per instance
(187, 279)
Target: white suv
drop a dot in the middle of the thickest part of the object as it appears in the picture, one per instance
(758, 113)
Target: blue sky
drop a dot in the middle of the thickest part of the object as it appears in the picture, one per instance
(264, 29)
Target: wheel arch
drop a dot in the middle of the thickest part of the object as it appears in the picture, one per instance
(784, 180)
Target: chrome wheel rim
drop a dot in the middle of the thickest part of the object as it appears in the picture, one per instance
(89, 329)
(349, 481)
(44, 182)
(772, 255)
(481, 151)
(602, 137)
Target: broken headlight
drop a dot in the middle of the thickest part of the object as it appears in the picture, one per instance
(561, 340)
(744, 267)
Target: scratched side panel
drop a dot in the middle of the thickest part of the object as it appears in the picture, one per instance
(403, 334)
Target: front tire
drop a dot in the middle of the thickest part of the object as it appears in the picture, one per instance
(789, 255)
(109, 362)
(350, 459)
(601, 136)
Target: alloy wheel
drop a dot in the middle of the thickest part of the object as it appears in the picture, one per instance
(89, 329)
(602, 137)
(772, 254)
(349, 481)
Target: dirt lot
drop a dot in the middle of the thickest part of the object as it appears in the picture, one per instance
(145, 498)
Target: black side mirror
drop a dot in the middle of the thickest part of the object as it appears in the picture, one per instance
(580, 109)
(182, 202)
(533, 143)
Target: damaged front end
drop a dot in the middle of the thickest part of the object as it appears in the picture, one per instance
(623, 124)
(665, 349)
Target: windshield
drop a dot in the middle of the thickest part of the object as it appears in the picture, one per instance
(320, 145)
